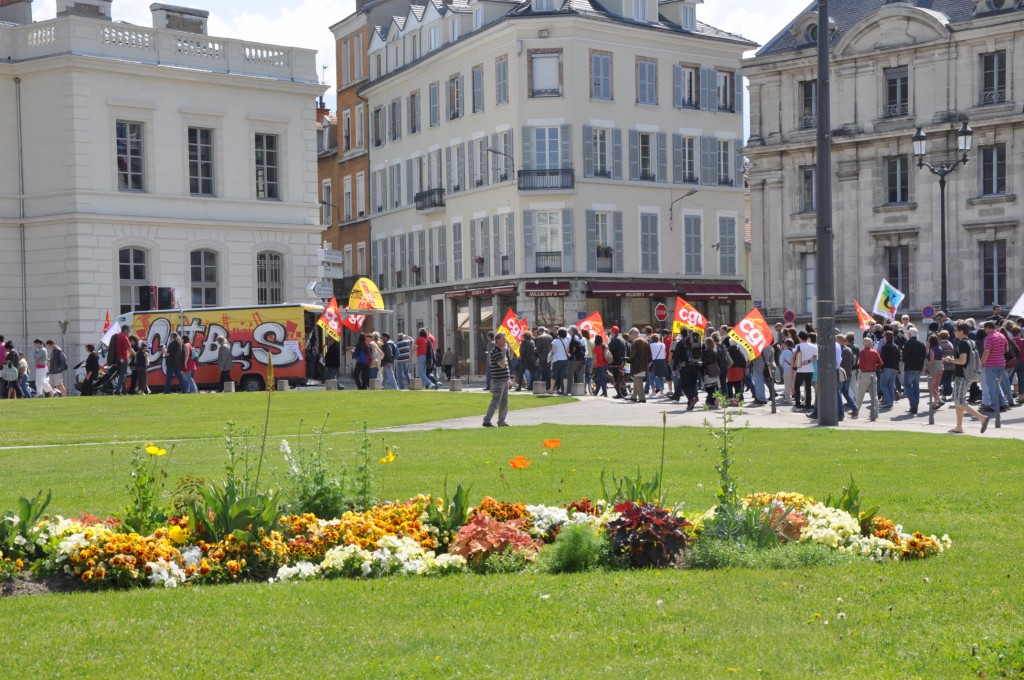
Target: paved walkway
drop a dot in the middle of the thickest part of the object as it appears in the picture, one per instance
(601, 411)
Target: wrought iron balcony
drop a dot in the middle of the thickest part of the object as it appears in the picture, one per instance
(895, 110)
(540, 180)
(431, 199)
(550, 261)
(808, 122)
(993, 97)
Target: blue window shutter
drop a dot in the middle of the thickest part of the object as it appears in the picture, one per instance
(567, 258)
(410, 190)
(677, 158)
(708, 164)
(677, 86)
(471, 157)
(442, 253)
(706, 90)
(530, 265)
(448, 99)
(634, 155)
(738, 165)
(617, 241)
(713, 89)
(462, 165)
(662, 157)
(591, 241)
(565, 141)
(495, 158)
(472, 245)
(527, 147)
(461, 98)
(616, 153)
(448, 168)
(485, 244)
(398, 119)
(739, 92)
(374, 260)
(496, 245)
(588, 151)
(510, 237)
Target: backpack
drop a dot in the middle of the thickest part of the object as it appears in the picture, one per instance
(10, 373)
(195, 353)
(972, 369)
(390, 350)
(577, 352)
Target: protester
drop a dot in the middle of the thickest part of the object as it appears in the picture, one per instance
(448, 361)
(527, 371)
(601, 357)
(172, 363)
(120, 351)
(498, 360)
(142, 355)
(804, 360)
(41, 360)
(560, 363)
(543, 342)
(424, 350)
(58, 365)
(224, 361)
(868, 363)
(402, 361)
(639, 360)
(915, 354)
(332, 359)
(188, 366)
(387, 363)
(92, 371)
(961, 353)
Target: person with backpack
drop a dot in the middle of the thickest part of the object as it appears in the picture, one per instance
(189, 354)
(963, 372)
(172, 365)
(424, 360)
(121, 353)
(402, 359)
(58, 364)
(9, 372)
(387, 363)
(577, 357)
(995, 390)
(40, 360)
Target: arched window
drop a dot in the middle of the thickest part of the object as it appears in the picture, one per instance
(269, 278)
(133, 275)
(204, 278)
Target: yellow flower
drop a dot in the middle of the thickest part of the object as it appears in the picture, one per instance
(388, 458)
(154, 450)
(177, 534)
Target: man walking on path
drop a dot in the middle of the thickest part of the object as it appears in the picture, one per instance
(995, 390)
(387, 363)
(498, 361)
(914, 356)
(40, 361)
(121, 351)
(58, 364)
(404, 346)
(868, 363)
(223, 361)
(803, 365)
(961, 352)
(639, 360)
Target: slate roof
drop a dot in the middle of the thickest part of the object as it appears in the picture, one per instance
(848, 13)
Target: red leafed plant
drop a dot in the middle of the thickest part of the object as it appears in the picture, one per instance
(582, 505)
(648, 536)
(485, 536)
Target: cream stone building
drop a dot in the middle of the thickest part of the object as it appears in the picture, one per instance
(896, 66)
(141, 165)
(530, 156)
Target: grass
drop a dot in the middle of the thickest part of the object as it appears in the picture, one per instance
(947, 617)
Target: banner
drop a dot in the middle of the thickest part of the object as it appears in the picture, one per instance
(687, 317)
(888, 300)
(863, 318)
(1018, 307)
(108, 334)
(353, 322)
(106, 323)
(330, 320)
(365, 295)
(513, 330)
(752, 333)
(595, 324)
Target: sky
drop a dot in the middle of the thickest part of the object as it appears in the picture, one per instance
(306, 23)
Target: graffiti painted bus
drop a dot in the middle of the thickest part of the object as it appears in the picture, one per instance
(287, 332)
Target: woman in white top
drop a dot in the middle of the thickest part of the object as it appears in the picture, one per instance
(659, 364)
(559, 357)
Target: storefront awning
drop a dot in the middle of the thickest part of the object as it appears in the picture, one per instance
(714, 291)
(547, 288)
(631, 289)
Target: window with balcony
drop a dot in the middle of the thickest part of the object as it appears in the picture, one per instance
(897, 92)
(600, 75)
(648, 157)
(689, 88)
(601, 152)
(808, 104)
(724, 154)
(993, 170)
(455, 96)
(686, 160)
(726, 91)
(548, 225)
(807, 188)
(646, 81)
(993, 77)
(897, 180)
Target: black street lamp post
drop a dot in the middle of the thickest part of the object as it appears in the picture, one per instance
(963, 144)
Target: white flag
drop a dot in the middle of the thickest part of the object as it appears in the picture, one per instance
(114, 329)
(1018, 307)
(888, 300)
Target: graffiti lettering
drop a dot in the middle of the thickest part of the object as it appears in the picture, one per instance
(272, 334)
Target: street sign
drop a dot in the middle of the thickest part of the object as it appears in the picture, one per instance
(580, 316)
(328, 271)
(321, 289)
(789, 316)
(330, 256)
(928, 312)
(661, 311)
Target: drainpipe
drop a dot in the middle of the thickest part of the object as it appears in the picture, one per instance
(21, 214)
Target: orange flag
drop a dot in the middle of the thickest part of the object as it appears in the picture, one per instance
(513, 330)
(595, 324)
(106, 323)
(330, 320)
(752, 333)
(354, 322)
(687, 317)
(865, 320)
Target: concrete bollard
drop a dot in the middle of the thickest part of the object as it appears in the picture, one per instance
(282, 385)
(578, 390)
(376, 384)
(417, 384)
(538, 388)
(331, 384)
(229, 387)
(455, 385)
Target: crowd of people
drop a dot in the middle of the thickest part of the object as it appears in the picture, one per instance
(963, 362)
(376, 356)
(46, 363)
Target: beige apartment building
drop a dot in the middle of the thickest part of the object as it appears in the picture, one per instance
(896, 66)
(553, 158)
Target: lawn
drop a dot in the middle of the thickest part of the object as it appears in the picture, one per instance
(950, 616)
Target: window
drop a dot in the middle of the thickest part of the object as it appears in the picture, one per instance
(503, 162)
(359, 126)
(204, 278)
(269, 278)
(415, 47)
(640, 10)
(807, 188)
(479, 164)
(546, 148)
(602, 152)
(414, 112)
(897, 259)
(600, 75)
(435, 107)
(646, 81)
(549, 232)
(993, 272)
(200, 161)
(135, 290)
(453, 29)
(689, 18)
(689, 88)
(326, 199)
(543, 5)
(347, 202)
(454, 97)
(648, 243)
(378, 126)
(478, 18)
(648, 157)
(346, 67)
(602, 231)
(434, 37)
(478, 89)
(727, 246)
(129, 156)
(725, 178)
(993, 77)
(457, 250)
(693, 238)
(726, 91)
(361, 259)
(993, 170)
(897, 179)
(897, 92)
(688, 160)
(346, 130)
(808, 104)
(358, 60)
(545, 73)
(266, 167)
(395, 122)
(501, 80)
(809, 262)
(361, 193)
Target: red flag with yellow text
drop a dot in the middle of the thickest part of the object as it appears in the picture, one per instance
(752, 333)
(330, 320)
(354, 322)
(864, 319)
(595, 324)
(687, 317)
(512, 329)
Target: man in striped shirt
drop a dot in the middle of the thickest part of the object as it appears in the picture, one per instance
(498, 363)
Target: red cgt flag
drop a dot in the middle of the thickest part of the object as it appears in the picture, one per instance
(595, 324)
(513, 330)
(330, 320)
(752, 333)
(354, 322)
(864, 319)
(687, 317)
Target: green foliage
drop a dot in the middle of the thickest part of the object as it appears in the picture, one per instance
(451, 515)
(144, 511)
(186, 489)
(239, 449)
(509, 561)
(760, 526)
(578, 548)
(224, 511)
(362, 487)
(18, 532)
(730, 522)
(710, 553)
(850, 501)
(631, 490)
(648, 536)
(313, 486)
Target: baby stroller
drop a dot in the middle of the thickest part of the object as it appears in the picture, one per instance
(101, 386)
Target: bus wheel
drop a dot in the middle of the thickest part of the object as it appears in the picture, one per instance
(252, 383)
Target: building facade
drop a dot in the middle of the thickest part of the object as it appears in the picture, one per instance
(143, 167)
(896, 66)
(557, 159)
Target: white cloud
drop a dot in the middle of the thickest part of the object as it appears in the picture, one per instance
(750, 18)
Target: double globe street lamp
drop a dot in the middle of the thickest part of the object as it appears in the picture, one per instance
(963, 144)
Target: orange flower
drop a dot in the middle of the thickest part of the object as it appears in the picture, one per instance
(552, 443)
(519, 462)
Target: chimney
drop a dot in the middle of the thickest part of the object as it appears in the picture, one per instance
(94, 9)
(183, 19)
(16, 11)
(321, 110)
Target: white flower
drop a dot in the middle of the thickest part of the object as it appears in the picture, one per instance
(285, 448)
